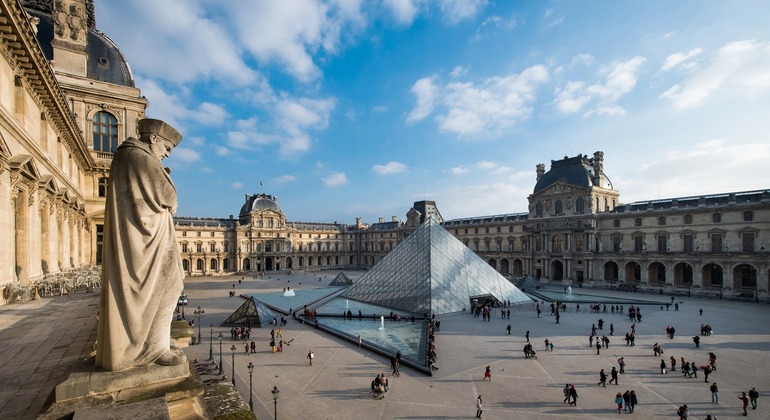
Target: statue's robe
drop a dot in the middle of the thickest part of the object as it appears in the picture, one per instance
(142, 273)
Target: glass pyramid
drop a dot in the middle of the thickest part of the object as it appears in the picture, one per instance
(341, 280)
(431, 271)
(251, 310)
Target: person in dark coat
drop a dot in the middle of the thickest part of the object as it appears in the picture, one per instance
(573, 395)
(602, 379)
(614, 375)
(634, 401)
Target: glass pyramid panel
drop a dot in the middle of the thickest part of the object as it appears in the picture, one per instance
(431, 271)
(341, 280)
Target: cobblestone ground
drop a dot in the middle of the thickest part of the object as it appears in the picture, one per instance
(40, 342)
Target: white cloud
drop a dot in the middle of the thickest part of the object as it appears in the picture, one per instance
(456, 11)
(403, 10)
(485, 164)
(742, 67)
(335, 180)
(283, 179)
(620, 78)
(686, 168)
(187, 42)
(680, 60)
(210, 114)
(458, 71)
(425, 91)
(389, 168)
(290, 32)
(486, 108)
(459, 170)
(221, 151)
(207, 170)
(380, 109)
(185, 155)
(236, 185)
(548, 13)
(195, 140)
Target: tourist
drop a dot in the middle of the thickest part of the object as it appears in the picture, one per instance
(622, 364)
(573, 394)
(602, 379)
(547, 344)
(662, 366)
(566, 393)
(478, 407)
(526, 335)
(696, 340)
(682, 412)
(745, 401)
(753, 396)
(614, 375)
(509, 329)
(673, 364)
(598, 345)
(634, 400)
(310, 357)
(619, 401)
(627, 400)
(714, 393)
(488, 374)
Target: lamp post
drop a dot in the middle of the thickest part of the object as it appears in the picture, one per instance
(199, 314)
(189, 253)
(232, 349)
(275, 392)
(251, 400)
(211, 342)
(220, 353)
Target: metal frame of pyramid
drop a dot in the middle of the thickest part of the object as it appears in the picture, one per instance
(431, 271)
(341, 280)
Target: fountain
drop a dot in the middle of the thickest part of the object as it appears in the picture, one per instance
(347, 304)
(382, 323)
(289, 293)
(569, 291)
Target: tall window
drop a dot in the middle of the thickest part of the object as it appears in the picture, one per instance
(198, 247)
(558, 207)
(580, 205)
(662, 243)
(716, 242)
(748, 241)
(103, 186)
(688, 241)
(748, 216)
(638, 243)
(539, 209)
(105, 132)
(184, 247)
(99, 242)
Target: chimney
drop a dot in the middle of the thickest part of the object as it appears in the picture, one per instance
(382, 220)
(393, 219)
(598, 163)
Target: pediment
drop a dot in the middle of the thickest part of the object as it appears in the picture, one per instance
(49, 184)
(558, 188)
(25, 165)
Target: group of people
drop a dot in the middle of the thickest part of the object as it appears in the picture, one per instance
(240, 333)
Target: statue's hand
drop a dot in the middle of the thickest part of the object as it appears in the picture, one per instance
(168, 170)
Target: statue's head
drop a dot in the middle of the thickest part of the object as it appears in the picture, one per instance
(159, 135)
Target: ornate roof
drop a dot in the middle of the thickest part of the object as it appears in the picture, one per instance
(579, 171)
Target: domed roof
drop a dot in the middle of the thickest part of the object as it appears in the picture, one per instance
(105, 61)
(259, 202)
(578, 171)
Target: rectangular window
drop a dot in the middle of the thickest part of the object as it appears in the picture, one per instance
(662, 220)
(716, 242)
(498, 229)
(662, 243)
(748, 242)
(616, 223)
(616, 241)
(510, 245)
(638, 243)
(578, 243)
(102, 188)
(99, 242)
(199, 247)
(638, 221)
(184, 247)
(184, 233)
(688, 242)
(213, 247)
(748, 216)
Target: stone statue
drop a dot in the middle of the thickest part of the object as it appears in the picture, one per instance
(141, 267)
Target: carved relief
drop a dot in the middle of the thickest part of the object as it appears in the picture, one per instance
(60, 19)
(75, 22)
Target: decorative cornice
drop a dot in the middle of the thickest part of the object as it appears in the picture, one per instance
(18, 38)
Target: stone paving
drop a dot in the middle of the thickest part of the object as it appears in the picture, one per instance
(36, 355)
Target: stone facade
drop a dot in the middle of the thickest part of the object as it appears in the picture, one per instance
(53, 115)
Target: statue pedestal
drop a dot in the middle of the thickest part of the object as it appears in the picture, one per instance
(162, 390)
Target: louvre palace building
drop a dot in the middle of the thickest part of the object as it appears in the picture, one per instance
(67, 99)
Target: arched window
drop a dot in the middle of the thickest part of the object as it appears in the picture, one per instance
(558, 207)
(580, 205)
(539, 209)
(105, 132)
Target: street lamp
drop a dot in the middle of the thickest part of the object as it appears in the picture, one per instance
(275, 392)
(199, 314)
(220, 354)
(211, 342)
(232, 349)
(251, 401)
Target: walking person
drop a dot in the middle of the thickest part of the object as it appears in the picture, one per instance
(573, 394)
(714, 393)
(598, 345)
(634, 400)
(614, 375)
(566, 393)
(526, 335)
(682, 412)
(488, 374)
(478, 407)
(509, 329)
(310, 357)
(622, 364)
(745, 400)
(602, 379)
(627, 400)
(753, 396)
(619, 401)
(662, 366)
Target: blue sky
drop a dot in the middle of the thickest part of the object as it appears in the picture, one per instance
(359, 108)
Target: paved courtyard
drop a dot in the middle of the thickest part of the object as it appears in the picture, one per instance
(39, 341)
